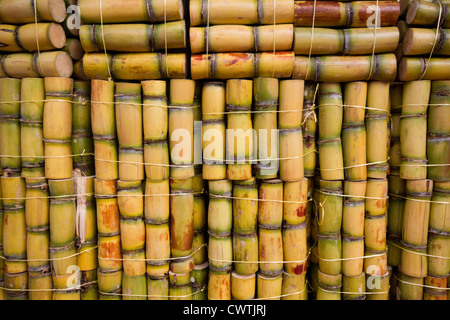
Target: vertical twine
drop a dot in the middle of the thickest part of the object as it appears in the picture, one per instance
(312, 40)
(37, 38)
(103, 40)
(374, 44)
(427, 63)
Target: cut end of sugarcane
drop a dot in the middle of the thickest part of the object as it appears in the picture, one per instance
(181, 8)
(404, 4)
(412, 11)
(74, 49)
(57, 35)
(402, 69)
(408, 41)
(64, 65)
(57, 10)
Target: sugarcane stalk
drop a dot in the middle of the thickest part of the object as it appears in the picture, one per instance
(32, 110)
(422, 68)
(49, 36)
(133, 37)
(346, 69)
(356, 14)
(269, 287)
(416, 95)
(250, 12)
(23, 11)
(378, 104)
(10, 146)
(29, 65)
(265, 125)
(239, 38)
(420, 41)
(352, 41)
(243, 287)
(438, 131)
(129, 131)
(117, 11)
(124, 66)
(239, 139)
(330, 126)
(242, 65)
(415, 228)
(427, 13)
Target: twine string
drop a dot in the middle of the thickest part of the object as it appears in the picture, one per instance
(311, 41)
(428, 62)
(104, 44)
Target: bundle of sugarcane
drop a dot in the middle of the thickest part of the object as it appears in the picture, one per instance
(425, 46)
(354, 146)
(181, 146)
(257, 42)
(132, 40)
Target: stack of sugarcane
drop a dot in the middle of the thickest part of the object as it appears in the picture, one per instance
(32, 39)
(130, 40)
(351, 192)
(363, 31)
(425, 46)
(235, 39)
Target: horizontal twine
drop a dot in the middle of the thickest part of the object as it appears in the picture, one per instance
(50, 259)
(418, 253)
(162, 259)
(76, 287)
